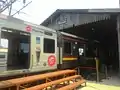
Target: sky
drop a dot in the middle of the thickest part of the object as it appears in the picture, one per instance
(39, 10)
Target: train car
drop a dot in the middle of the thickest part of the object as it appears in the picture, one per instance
(26, 47)
(70, 47)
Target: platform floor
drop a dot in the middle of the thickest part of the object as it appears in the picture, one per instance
(113, 83)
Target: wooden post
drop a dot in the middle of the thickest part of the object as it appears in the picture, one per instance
(97, 69)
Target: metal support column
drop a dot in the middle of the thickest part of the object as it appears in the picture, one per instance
(118, 31)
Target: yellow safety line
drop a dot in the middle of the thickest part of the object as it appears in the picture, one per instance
(64, 59)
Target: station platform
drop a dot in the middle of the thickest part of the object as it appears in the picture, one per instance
(112, 83)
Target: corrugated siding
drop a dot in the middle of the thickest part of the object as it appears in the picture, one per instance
(89, 18)
(76, 19)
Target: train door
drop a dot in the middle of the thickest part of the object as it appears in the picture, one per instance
(43, 51)
(11, 45)
(36, 46)
(70, 53)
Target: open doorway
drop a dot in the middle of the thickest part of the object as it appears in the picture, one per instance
(18, 45)
(105, 33)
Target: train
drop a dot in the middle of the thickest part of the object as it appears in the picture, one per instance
(27, 47)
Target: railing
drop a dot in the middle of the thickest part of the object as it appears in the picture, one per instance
(96, 68)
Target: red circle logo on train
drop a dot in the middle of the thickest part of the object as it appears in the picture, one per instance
(28, 28)
(51, 60)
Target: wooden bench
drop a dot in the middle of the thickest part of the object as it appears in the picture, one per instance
(20, 81)
(73, 85)
(50, 84)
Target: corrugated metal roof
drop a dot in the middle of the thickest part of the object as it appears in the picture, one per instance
(85, 18)
(99, 14)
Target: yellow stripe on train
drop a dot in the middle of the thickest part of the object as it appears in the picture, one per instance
(64, 59)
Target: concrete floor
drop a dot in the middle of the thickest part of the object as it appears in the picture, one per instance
(113, 83)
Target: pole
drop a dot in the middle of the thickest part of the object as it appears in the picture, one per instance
(119, 3)
(106, 73)
(22, 8)
(7, 6)
(118, 32)
(10, 9)
(97, 69)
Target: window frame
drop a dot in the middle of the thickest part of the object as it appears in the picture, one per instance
(65, 41)
(37, 40)
(52, 45)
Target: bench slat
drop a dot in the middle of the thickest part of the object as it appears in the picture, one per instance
(73, 86)
(4, 84)
(45, 85)
(23, 80)
(40, 77)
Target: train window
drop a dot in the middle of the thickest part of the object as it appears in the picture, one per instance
(67, 47)
(81, 51)
(2, 56)
(4, 43)
(49, 45)
(37, 40)
(75, 49)
(25, 47)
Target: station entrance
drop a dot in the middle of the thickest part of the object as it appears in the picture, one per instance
(102, 40)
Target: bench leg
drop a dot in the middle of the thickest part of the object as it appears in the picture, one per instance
(17, 87)
(75, 80)
(64, 83)
(74, 89)
(53, 87)
(68, 82)
(45, 88)
(85, 83)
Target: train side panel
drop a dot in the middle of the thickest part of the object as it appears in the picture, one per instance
(70, 50)
(43, 51)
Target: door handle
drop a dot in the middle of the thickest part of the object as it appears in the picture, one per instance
(32, 61)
